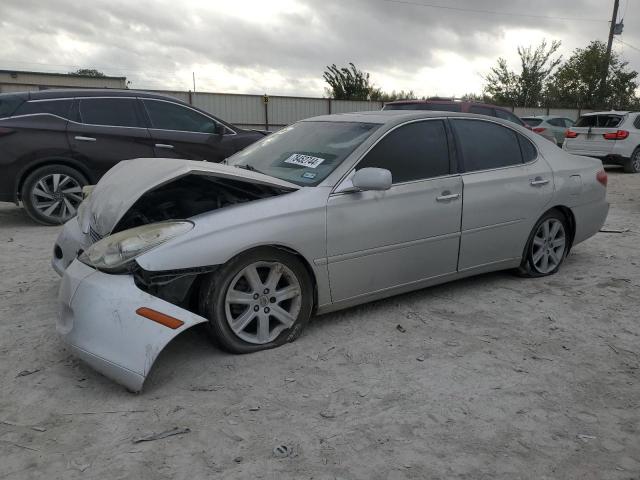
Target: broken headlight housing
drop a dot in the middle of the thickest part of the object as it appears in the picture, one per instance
(115, 252)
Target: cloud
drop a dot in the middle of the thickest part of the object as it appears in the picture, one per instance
(282, 47)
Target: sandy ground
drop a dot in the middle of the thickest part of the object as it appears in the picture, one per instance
(489, 377)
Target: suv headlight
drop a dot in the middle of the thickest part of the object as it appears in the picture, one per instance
(115, 252)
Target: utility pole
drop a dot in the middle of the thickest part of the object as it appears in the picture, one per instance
(194, 78)
(607, 57)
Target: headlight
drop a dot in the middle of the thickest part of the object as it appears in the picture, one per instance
(113, 253)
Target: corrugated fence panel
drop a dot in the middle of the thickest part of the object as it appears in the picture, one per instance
(345, 106)
(182, 96)
(529, 111)
(286, 110)
(238, 109)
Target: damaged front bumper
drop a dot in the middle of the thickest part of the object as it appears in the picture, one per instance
(98, 319)
(69, 244)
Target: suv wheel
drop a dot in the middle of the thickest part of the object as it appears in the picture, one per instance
(51, 194)
(633, 164)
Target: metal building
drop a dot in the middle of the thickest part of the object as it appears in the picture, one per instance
(21, 81)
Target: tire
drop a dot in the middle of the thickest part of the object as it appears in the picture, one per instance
(632, 165)
(237, 307)
(51, 194)
(549, 238)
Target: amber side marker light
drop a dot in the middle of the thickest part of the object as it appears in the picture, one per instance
(159, 317)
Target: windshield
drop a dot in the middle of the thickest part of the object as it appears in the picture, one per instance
(304, 153)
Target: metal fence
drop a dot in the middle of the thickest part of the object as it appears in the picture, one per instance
(269, 113)
(275, 112)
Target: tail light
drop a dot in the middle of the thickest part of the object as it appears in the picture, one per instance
(570, 134)
(538, 129)
(5, 131)
(602, 177)
(617, 135)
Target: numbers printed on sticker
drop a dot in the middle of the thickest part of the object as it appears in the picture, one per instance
(304, 160)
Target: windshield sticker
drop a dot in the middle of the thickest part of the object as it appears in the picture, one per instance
(309, 175)
(304, 160)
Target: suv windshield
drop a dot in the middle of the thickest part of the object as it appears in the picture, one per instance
(602, 121)
(304, 153)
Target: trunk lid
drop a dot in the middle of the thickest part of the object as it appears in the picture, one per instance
(124, 184)
(590, 130)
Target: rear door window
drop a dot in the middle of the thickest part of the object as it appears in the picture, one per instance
(487, 145)
(113, 112)
(59, 108)
(171, 116)
(415, 151)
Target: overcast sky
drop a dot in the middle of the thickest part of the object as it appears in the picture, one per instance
(282, 46)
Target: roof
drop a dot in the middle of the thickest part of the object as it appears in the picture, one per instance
(94, 92)
(610, 112)
(60, 74)
(397, 116)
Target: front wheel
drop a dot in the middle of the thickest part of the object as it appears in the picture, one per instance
(633, 164)
(258, 300)
(547, 246)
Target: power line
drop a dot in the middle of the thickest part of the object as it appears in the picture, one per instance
(627, 44)
(493, 12)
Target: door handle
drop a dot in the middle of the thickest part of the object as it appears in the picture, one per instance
(539, 181)
(164, 145)
(447, 195)
(80, 138)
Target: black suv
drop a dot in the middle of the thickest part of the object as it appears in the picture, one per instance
(54, 142)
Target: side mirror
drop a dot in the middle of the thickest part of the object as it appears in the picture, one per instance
(367, 179)
(218, 129)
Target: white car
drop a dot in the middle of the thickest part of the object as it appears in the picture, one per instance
(613, 137)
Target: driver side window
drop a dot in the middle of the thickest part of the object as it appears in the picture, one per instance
(171, 116)
(416, 151)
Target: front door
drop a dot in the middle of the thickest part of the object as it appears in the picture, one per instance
(182, 132)
(507, 187)
(377, 241)
(109, 130)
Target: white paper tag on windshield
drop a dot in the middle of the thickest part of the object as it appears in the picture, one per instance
(304, 160)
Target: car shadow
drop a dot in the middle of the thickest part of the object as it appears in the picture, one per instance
(12, 215)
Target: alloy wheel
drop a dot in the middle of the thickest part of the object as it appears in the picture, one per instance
(262, 300)
(548, 246)
(635, 161)
(57, 196)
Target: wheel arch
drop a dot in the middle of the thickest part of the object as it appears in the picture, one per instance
(45, 162)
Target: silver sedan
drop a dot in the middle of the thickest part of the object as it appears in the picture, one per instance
(327, 213)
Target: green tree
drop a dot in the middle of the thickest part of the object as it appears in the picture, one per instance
(526, 88)
(577, 81)
(88, 72)
(379, 95)
(348, 83)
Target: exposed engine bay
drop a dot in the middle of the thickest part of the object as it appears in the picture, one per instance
(191, 195)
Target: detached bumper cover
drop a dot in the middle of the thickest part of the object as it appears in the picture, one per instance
(98, 320)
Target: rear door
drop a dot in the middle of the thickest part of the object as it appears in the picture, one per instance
(590, 131)
(108, 130)
(182, 132)
(506, 188)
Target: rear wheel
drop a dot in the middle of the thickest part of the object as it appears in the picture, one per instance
(547, 246)
(633, 164)
(51, 194)
(258, 300)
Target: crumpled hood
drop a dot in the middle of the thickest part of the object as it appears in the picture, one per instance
(124, 184)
